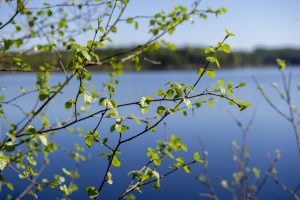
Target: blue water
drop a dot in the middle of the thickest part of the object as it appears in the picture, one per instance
(214, 125)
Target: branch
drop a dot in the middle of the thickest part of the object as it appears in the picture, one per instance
(270, 102)
(207, 183)
(154, 180)
(104, 179)
(284, 187)
(67, 5)
(31, 185)
(14, 15)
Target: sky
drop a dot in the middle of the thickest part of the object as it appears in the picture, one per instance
(256, 23)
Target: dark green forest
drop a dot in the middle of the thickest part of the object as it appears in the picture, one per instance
(185, 58)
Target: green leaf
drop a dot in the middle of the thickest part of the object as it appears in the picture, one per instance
(221, 83)
(230, 85)
(178, 89)
(230, 102)
(281, 64)
(160, 110)
(157, 162)
(226, 48)
(197, 157)
(30, 130)
(242, 84)
(44, 139)
(4, 161)
(180, 160)
(101, 44)
(243, 105)
(209, 51)
(210, 73)
(90, 43)
(145, 101)
(224, 184)
(116, 162)
(200, 71)
(187, 169)
(144, 110)
(120, 128)
(66, 171)
(92, 192)
(136, 25)
(135, 118)
(39, 187)
(86, 55)
(160, 93)
(87, 98)
(10, 186)
(274, 170)
(213, 60)
(202, 179)
(68, 105)
(156, 185)
(228, 34)
(187, 103)
(170, 94)
(113, 29)
(211, 103)
(89, 139)
(31, 160)
(256, 172)
(109, 178)
(103, 101)
(2, 98)
(129, 20)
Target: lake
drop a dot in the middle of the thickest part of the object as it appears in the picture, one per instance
(212, 124)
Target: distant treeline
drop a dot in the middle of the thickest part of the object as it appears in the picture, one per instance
(181, 59)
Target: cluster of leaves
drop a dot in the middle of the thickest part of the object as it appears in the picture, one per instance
(248, 181)
(28, 139)
(149, 173)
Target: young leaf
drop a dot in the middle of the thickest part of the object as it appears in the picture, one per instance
(129, 20)
(197, 157)
(30, 130)
(89, 139)
(226, 48)
(68, 105)
(160, 93)
(121, 128)
(200, 71)
(116, 162)
(135, 118)
(213, 60)
(92, 192)
(86, 55)
(187, 169)
(4, 160)
(281, 64)
(242, 84)
(10, 186)
(256, 172)
(170, 94)
(224, 184)
(228, 34)
(187, 103)
(210, 73)
(160, 110)
(109, 178)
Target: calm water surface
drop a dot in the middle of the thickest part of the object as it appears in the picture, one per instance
(213, 125)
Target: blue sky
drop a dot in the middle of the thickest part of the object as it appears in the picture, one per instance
(256, 23)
